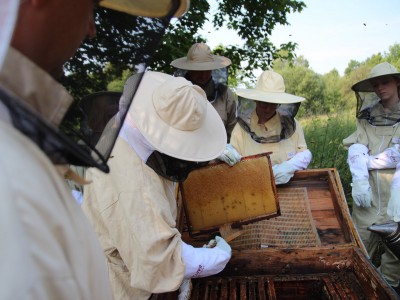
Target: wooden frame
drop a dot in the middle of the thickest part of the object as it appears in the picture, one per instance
(263, 198)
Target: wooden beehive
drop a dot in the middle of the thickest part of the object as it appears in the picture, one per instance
(274, 265)
(218, 194)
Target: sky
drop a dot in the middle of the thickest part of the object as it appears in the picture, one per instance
(330, 33)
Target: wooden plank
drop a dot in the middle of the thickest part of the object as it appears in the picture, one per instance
(213, 290)
(288, 261)
(370, 279)
(261, 289)
(320, 201)
(243, 292)
(330, 288)
(232, 289)
(271, 289)
(224, 290)
(252, 289)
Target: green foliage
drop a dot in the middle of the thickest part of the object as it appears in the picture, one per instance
(302, 81)
(324, 135)
(118, 40)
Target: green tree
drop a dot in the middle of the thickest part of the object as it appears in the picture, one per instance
(393, 56)
(104, 59)
(333, 98)
(300, 80)
(116, 37)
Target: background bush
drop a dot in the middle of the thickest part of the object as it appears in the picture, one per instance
(324, 135)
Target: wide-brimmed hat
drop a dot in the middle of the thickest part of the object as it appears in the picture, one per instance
(175, 117)
(8, 17)
(200, 58)
(382, 69)
(270, 88)
(148, 8)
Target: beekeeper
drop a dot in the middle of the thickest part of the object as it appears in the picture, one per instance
(170, 130)
(210, 72)
(266, 123)
(49, 249)
(373, 159)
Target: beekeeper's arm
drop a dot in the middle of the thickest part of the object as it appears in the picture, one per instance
(284, 171)
(201, 262)
(358, 163)
(388, 159)
(230, 155)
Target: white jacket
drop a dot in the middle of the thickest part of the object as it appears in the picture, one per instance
(48, 248)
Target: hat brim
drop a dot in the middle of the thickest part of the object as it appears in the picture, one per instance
(279, 98)
(147, 8)
(204, 144)
(366, 85)
(217, 63)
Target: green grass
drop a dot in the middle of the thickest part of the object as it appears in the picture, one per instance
(324, 135)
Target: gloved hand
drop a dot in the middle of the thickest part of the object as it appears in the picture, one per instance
(283, 172)
(388, 159)
(201, 262)
(393, 208)
(223, 245)
(358, 160)
(230, 155)
(362, 193)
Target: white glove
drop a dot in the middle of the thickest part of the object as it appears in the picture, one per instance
(362, 193)
(202, 262)
(283, 172)
(301, 160)
(223, 245)
(230, 155)
(393, 209)
(388, 159)
(358, 160)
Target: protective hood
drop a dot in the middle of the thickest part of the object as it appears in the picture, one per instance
(247, 119)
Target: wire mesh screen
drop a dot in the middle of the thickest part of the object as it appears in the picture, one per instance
(292, 229)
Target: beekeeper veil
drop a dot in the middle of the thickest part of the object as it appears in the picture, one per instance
(367, 100)
(270, 88)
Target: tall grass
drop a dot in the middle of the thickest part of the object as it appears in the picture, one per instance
(324, 135)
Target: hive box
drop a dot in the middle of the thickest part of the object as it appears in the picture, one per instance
(320, 256)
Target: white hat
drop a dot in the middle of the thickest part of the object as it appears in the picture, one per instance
(270, 88)
(8, 16)
(200, 58)
(175, 117)
(382, 69)
(147, 8)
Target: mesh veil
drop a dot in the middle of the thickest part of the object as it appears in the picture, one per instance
(287, 114)
(368, 105)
